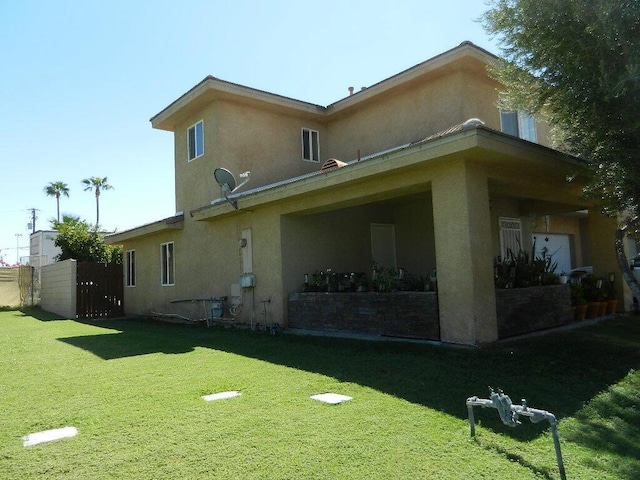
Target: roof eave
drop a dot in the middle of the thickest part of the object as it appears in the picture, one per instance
(175, 222)
(465, 49)
(212, 88)
(431, 149)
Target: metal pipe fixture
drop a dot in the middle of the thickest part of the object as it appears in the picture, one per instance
(509, 414)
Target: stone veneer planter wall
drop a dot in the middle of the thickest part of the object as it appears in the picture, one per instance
(524, 310)
(402, 314)
(415, 314)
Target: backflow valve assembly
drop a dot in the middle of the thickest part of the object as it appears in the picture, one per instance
(509, 414)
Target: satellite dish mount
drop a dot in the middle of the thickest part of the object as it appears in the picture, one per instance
(228, 183)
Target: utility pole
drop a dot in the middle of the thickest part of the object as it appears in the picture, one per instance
(33, 219)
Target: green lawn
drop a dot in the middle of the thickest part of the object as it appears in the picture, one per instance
(133, 388)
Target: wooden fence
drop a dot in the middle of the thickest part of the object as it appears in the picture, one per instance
(100, 290)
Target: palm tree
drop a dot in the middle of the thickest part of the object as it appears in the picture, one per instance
(55, 189)
(97, 184)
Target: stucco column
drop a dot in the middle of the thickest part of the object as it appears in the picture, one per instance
(603, 254)
(464, 256)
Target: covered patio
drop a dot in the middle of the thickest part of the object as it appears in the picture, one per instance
(433, 205)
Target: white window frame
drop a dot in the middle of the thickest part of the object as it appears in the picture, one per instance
(510, 235)
(524, 123)
(167, 264)
(310, 145)
(130, 268)
(198, 140)
(527, 126)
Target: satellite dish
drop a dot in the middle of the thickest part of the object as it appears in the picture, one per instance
(228, 183)
(225, 179)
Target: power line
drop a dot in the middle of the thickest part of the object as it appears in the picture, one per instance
(7, 212)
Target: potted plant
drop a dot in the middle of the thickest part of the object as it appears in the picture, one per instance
(318, 282)
(578, 302)
(385, 279)
(433, 280)
(332, 280)
(593, 295)
(612, 301)
(360, 279)
(563, 277)
(602, 297)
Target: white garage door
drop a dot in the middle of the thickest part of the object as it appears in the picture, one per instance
(558, 246)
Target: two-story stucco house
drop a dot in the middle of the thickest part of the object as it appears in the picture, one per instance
(429, 175)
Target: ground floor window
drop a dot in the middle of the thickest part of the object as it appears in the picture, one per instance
(167, 264)
(130, 268)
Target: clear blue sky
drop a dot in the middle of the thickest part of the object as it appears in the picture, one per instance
(81, 79)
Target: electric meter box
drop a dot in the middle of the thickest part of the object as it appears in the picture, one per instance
(248, 280)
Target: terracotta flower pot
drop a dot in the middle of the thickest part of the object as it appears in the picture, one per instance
(602, 309)
(579, 312)
(592, 310)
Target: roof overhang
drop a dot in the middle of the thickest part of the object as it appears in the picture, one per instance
(398, 171)
(466, 56)
(175, 222)
(212, 88)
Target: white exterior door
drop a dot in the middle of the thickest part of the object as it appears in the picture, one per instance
(383, 245)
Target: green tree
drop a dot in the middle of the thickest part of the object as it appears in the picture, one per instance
(578, 62)
(97, 184)
(57, 189)
(83, 242)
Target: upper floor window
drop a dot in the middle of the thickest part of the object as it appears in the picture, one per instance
(130, 268)
(167, 265)
(195, 140)
(519, 124)
(310, 145)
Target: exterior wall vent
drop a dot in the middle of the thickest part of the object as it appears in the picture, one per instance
(331, 164)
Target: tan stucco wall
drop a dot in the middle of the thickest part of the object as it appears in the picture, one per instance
(285, 247)
(207, 262)
(240, 138)
(414, 113)
(243, 135)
